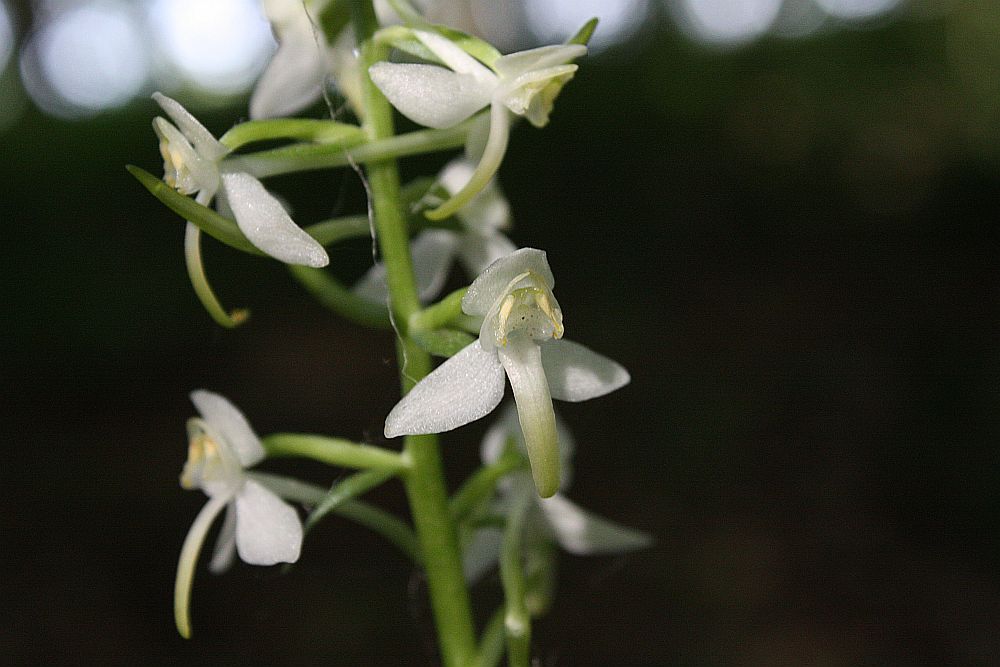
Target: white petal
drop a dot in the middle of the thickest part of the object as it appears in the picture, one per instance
(522, 360)
(225, 543)
(477, 252)
(265, 223)
(567, 448)
(183, 157)
(454, 57)
(374, 285)
(532, 94)
(456, 174)
(202, 140)
(481, 553)
(226, 419)
(495, 439)
(430, 95)
(491, 283)
(462, 389)
(476, 140)
(344, 70)
(293, 79)
(581, 533)
(488, 210)
(433, 251)
(268, 529)
(189, 559)
(576, 373)
(515, 64)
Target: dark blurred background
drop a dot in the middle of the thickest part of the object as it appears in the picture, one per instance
(781, 216)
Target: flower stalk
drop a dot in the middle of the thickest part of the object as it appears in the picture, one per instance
(425, 482)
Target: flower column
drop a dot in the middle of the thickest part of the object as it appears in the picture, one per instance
(425, 481)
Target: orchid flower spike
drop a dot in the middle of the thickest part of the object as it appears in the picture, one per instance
(261, 527)
(525, 83)
(191, 161)
(294, 78)
(551, 519)
(521, 337)
(480, 242)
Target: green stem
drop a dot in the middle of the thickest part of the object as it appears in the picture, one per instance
(306, 129)
(329, 292)
(517, 621)
(491, 644)
(439, 314)
(306, 157)
(334, 451)
(424, 483)
(378, 520)
(331, 231)
(202, 288)
(481, 484)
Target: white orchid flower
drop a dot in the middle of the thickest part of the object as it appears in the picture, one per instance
(520, 338)
(525, 83)
(191, 157)
(294, 78)
(480, 242)
(549, 519)
(305, 62)
(259, 525)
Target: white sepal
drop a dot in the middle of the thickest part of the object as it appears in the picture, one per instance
(576, 373)
(228, 422)
(225, 543)
(495, 280)
(462, 389)
(263, 220)
(268, 529)
(183, 167)
(515, 64)
(432, 251)
(431, 95)
(582, 533)
(454, 57)
(293, 79)
(207, 146)
(481, 553)
(477, 251)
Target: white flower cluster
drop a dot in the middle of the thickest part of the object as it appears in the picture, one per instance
(521, 334)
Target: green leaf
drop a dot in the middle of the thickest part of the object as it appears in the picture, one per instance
(210, 222)
(584, 34)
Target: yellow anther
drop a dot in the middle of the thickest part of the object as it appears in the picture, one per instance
(502, 316)
(552, 312)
